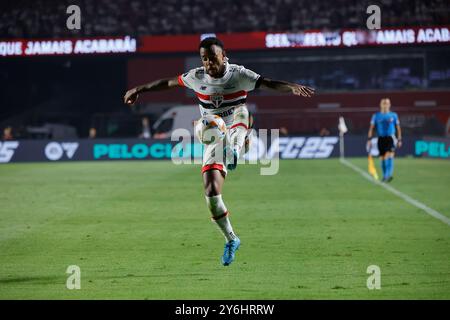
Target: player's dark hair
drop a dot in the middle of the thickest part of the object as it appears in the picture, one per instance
(208, 42)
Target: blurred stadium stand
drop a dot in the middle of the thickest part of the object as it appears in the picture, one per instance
(78, 93)
(45, 18)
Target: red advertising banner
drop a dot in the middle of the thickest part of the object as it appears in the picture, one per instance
(189, 43)
(304, 39)
(234, 41)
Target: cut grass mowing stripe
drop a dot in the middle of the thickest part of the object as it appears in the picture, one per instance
(405, 197)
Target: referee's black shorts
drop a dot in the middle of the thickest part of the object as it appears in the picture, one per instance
(385, 144)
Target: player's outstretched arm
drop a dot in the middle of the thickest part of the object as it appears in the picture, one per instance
(284, 86)
(157, 85)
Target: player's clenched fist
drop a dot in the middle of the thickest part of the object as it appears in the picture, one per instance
(131, 96)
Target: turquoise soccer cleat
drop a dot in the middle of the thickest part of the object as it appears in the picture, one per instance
(230, 251)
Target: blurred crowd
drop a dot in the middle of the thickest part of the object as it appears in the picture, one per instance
(47, 18)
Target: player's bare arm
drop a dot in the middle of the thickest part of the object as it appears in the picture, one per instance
(399, 135)
(370, 135)
(157, 85)
(284, 86)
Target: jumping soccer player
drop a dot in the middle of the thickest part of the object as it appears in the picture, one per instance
(387, 126)
(221, 89)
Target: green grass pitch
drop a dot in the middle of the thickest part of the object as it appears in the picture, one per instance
(141, 230)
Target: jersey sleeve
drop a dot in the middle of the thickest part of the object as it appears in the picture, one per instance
(248, 79)
(396, 120)
(372, 120)
(187, 79)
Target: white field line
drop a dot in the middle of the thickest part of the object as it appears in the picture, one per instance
(405, 197)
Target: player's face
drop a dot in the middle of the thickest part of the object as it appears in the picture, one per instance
(213, 60)
(385, 105)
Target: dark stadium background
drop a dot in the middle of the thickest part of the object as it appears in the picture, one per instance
(86, 91)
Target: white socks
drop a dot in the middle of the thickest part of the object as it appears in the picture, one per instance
(220, 216)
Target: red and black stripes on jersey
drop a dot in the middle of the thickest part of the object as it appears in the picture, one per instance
(221, 100)
(214, 101)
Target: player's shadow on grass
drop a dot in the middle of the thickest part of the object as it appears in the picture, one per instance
(46, 279)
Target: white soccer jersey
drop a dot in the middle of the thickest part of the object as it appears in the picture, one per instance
(220, 96)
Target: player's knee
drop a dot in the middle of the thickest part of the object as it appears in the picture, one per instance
(212, 189)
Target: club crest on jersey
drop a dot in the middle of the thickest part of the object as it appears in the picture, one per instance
(216, 99)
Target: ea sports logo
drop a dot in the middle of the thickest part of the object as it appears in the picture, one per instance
(55, 151)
